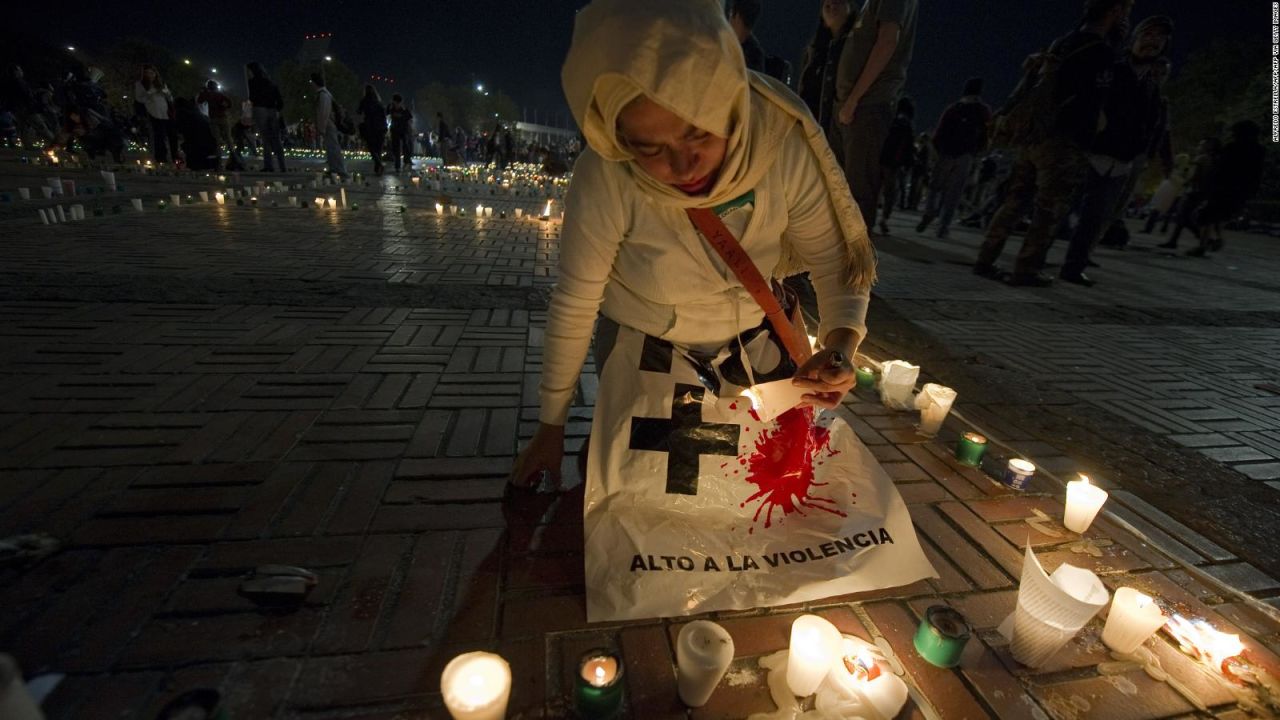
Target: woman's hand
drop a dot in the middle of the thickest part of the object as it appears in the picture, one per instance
(544, 453)
(828, 375)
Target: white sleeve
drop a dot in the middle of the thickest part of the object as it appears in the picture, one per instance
(594, 225)
(814, 231)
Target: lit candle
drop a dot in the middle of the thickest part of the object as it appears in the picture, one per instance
(1203, 640)
(439, 209)
(970, 448)
(333, 203)
(703, 653)
(1084, 500)
(343, 193)
(897, 380)
(1134, 617)
(519, 212)
(320, 202)
(1019, 473)
(814, 644)
(488, 212)
(479, 210)
(866, 377)
(416, 181)
(859, 687)
(934, 402)
(597, 689)
(476, 686)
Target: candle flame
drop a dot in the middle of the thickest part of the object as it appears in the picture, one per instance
(599, 675)
(1084, 478)
(1199, 638)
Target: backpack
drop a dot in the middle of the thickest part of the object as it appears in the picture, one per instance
(963, 130)
(341, 118)
(1031, 111)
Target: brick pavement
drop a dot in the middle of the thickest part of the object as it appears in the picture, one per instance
(175, 445)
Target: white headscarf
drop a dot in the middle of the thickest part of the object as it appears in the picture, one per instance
(683, 55)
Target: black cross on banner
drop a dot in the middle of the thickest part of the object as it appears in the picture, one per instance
(684, 438)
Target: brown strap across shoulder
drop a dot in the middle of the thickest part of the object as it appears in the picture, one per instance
(726, 245)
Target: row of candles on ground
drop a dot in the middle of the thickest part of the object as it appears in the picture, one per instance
(1134, 617)
(65, 187)
(477, 685)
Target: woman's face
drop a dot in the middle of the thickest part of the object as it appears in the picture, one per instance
(670, 149)
(149, 73)
(835, 12)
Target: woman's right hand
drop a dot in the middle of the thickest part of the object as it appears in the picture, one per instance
(544, 453)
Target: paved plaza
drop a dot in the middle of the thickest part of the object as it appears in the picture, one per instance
(187, 394)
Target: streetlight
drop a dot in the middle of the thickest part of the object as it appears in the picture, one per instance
(213, 70)
(71, 48)
(186, 62)
(328, 58)
(479, 87)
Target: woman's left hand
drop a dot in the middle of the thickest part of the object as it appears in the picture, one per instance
(828, 375)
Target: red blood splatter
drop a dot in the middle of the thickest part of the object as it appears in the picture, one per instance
(782, 466)
(733, 406)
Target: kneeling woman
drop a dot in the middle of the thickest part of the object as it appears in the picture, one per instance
(674, 121)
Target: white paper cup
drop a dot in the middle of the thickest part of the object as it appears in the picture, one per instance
(137, 204)
(934, 402)
(47, 192)
(24, 193)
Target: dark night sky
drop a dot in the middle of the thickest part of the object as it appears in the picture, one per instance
(518, 46)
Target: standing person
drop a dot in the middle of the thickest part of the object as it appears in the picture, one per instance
(373, 125)
(896, 156)
(818, 70)
(155, 97)
(1196, 188)
(268, 103)
(871, 72)
(15, 96)
(1132, 115)
(1067, 107)
(1233, 180)
(961, 134)
(199, 146)
(327, 127)
(444, 137)
(219, 106)
(401, 131)
(743, 15)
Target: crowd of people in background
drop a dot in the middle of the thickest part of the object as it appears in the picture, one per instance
(1060, 159)
(211, 131)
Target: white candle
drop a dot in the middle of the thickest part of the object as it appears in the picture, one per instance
(479, 210)
(476, 686)
(137, 204)
(1084, 500)
(860, 686)
(934, 402)
(897, 381)
(24, 193)
(62, 214)
(703, 653)
(47, 192)
(293, 201)
(439, 209)
(220, 198)
(488, 212)
(320, 203)
(416, 181)
(333, 203)
(204, 196)
(519, 212)
(814, 643)
(1133, 618)
(43, 218)
(343, 192)
(175, 200)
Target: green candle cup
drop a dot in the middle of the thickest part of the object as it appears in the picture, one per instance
(866, 378)
(970, 449)
(941, 637)
(597, 688)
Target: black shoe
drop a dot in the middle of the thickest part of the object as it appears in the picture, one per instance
(1036, 280)
(884, 228)
(924, 223)
(1195, 252)
(1171, 245)
(1077, 279)
(942, 233)
(987, 271)
(1090, 263)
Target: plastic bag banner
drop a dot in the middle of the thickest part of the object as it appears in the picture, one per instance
(694, 505)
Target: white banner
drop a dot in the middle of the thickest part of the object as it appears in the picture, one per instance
(693, 505)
